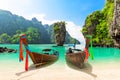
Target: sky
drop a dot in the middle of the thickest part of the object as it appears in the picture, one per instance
(68, 10)
(74, 12)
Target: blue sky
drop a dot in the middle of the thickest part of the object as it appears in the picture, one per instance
(69, 10)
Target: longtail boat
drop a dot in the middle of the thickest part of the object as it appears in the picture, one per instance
(78, 57)
(45, 57)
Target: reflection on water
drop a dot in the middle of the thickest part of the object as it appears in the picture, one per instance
(62, 52)
(106, 52)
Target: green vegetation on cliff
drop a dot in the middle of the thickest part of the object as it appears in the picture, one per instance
(33, 35)
(11, 26)
(57, 27)
(60, 32)
(98, 23)
(57, 31)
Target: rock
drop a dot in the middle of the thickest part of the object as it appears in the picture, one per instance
(11, 50)
(2, 49)
(5, 49)
(107, 38)
(59, 33)
(115, 26)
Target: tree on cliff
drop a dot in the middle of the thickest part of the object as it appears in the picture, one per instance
(98, 23)
(4, 38)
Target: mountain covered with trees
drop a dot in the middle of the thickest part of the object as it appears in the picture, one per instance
(11, 26)
(98, 24)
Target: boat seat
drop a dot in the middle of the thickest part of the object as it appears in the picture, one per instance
(46, 53)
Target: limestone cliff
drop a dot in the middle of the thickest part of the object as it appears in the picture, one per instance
(59, 33)
(115, 26)
(104, 25)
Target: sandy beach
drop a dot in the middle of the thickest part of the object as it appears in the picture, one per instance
(63, 71)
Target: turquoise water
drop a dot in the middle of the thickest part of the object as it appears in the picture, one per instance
(6, 57)
(106, 54)
(100, 54)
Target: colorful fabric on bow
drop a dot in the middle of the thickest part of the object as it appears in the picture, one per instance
(23, 40)
(26, 62)
(87, 54)
(91, 50)
(89, 41)
(21, 51)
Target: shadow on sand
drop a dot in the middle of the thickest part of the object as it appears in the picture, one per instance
(32, 67)
(87, 68)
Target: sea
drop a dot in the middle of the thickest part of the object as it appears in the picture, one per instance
(101, 54)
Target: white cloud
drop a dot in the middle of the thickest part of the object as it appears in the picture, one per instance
(18, 7)
(75, 32)
(41, 17)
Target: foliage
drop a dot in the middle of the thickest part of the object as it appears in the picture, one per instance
(98, 23)
(118, 1)
(15, 39)
(4, 38)
(57, 26)
(11, 26)
(33, 35)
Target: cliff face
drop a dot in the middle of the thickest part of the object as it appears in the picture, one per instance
(115, 26)
(104, 25)
(59, 33)
(91, 23)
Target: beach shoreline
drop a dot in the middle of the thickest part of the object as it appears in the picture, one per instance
(56, 71)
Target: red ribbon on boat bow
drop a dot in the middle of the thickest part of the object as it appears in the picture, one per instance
(24, 41)
(21, 51)
(87, 54)
(26, 62)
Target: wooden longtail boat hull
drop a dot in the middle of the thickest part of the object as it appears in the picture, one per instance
(42, 59)
(76, 59)
(38, 59)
